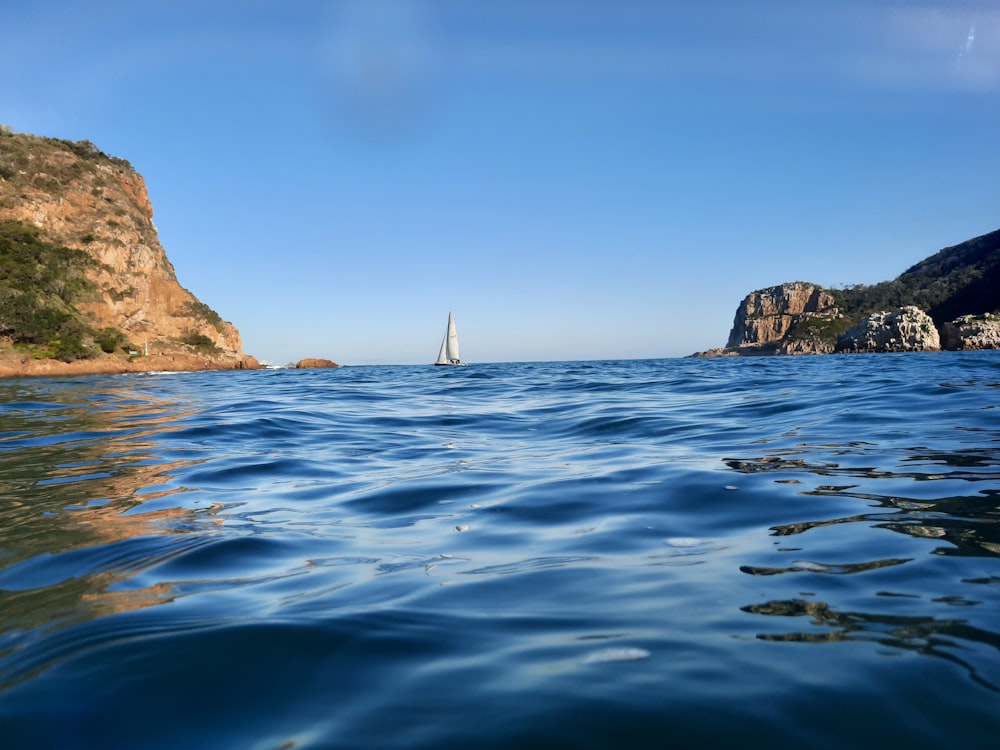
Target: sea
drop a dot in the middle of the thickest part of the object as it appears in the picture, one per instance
(676, 553)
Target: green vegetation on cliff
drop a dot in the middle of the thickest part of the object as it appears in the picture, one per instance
(198, 309)
(81, 268)
(200, 343)
(802, 317)
(959, 280)
(40, 284)
(818, 328)
(22, 154)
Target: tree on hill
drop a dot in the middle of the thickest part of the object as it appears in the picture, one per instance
(959, 280)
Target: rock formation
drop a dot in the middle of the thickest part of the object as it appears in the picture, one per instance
(80, 198)
(805, 345)
(972, 332)
(767, 315)
(960, 282)
(907, 330)
(794, 318)
(312, 362)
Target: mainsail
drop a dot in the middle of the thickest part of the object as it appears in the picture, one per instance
(449, 354)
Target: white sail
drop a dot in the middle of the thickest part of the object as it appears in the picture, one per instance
(443, 354)
(449, 354)
(453, 355)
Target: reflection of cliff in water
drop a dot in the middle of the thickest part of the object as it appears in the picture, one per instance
(77, 462)
(961, 464)
(929, 636)
(970, 523)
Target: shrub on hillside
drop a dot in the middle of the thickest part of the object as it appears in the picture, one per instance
(199, 342)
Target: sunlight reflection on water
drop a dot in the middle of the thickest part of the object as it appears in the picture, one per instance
(308, 554)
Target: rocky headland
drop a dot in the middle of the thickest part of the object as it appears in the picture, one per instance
(950, 300)
(85, 285)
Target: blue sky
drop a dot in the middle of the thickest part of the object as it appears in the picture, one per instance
(574, 179)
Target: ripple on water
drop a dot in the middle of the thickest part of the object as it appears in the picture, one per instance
(555, 554)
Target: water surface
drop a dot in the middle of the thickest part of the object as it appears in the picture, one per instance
(561, 555)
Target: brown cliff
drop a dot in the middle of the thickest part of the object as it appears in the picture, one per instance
(769, 314)
(80, 198)
(793, 318)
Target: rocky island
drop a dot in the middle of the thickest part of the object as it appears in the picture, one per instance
(85, 286)
(950, 300)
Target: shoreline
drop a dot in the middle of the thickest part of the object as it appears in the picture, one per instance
(14, 366)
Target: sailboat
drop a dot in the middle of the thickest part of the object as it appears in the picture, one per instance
(449, 346)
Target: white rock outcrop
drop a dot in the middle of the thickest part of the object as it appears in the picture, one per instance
(972, 332)
(909, 329)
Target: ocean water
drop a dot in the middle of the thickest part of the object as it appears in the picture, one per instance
(788, 552)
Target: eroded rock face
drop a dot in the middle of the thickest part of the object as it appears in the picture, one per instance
(972, 332)
(909, 329)
(768, 314)
(100, 205)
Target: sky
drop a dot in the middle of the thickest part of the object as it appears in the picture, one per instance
(573, 179)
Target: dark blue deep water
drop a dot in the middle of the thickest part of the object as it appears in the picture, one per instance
(788, 552)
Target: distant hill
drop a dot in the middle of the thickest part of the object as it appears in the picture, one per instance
(959, 280)
(803, 318)
(82, 273)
